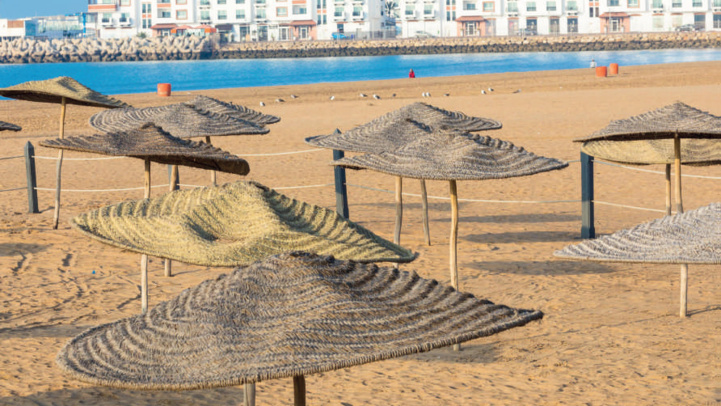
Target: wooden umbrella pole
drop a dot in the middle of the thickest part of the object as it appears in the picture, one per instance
(454, 241)
(399, 212)
(58, 168)
(424, 201)
(144, 283)
(668, 189)
(249, 394)
(173, 186)
(683, 296)
(146, 195)
(299, 390)
(213, 174)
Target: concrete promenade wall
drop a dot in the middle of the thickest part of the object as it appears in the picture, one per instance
(178, 48)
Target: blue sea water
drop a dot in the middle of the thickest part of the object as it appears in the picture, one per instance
(140, 77)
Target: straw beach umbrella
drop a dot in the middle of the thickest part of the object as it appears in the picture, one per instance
(693, 237)
(9, 127)
(455, 155)
(289, 315)
(676, 121)
(62, 90)
(395, 129)
(152, 144)
(209, 104)
(180, 120)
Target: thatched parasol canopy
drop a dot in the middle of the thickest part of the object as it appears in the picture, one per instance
(152, 143)
(231, 225)
(693, 237)
(678, 119)
(209, 104)
(54, 90)
(289, 315)
(455, 155)
(398, 127)
(697, 152)
(9, 127)
(180, 120)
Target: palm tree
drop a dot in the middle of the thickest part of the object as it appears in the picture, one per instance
(391, 7)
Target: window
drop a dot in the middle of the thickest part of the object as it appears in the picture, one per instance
(613, 3)
(531, 6)
(717, 3)
(572, 25)
(531, 25)
(124, 17)
(204, 2)
(281, 11)
(221, 2)
(240, 14)
(657, 23)
(699, 20)
(554, 26)
(676, 4)
(571, 5)
(410, 9)
(239, 1)
(717, 21)
(513, 7)
(107, 2)
(147, 23)
(357, 11)
(299, 10)
(551, 5)
(696, 3)
(222, 14)
(163, 13)
(181, 2)
(181, 14)
(107, 17)
(657, 4)
(124, 2)
(163, 1)
(489, 6)
(428, 9)
(260, 13)
(147, 8)
(469, 6)
(633, 3)
(204, 15)
(338, 12)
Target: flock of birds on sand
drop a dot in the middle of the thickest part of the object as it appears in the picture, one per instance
(377, 97)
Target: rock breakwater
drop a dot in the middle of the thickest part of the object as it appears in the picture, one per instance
(177, 48)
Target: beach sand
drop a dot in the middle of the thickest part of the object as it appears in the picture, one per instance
(611, 332)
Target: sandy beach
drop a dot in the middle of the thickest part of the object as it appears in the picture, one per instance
(611, 334)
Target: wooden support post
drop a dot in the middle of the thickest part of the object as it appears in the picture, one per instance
(424, 202)
(173, 184)
(146, 194)
(399, 212)
(213, 174)
(31, 178)
(341, 191)
(249, 394)
(58, 168)
(683, 297)
(299, 390)
(588, 229)
(668, 189)
(454, 241)
(144, 283)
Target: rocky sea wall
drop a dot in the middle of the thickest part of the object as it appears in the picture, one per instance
(183, 48)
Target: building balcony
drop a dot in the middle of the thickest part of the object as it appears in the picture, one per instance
(93, 8)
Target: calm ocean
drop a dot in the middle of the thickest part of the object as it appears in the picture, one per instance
(139, 77)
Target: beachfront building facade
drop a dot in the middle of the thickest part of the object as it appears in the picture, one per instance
(288, 20)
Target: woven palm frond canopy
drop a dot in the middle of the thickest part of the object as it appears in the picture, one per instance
(231, 225)
(152, 143)
(695, 152)
(9, 127)
(667, 122)
(54, 90)
(693, 237)
(180, 120)
(454, 155)
(391, 131)
(289, 315)
(209, 104)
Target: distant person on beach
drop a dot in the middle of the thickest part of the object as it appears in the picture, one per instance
(593, 63)
(411, 74)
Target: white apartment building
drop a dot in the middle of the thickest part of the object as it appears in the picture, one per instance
(284, 20)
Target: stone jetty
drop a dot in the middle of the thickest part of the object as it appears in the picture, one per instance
(190, 47)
